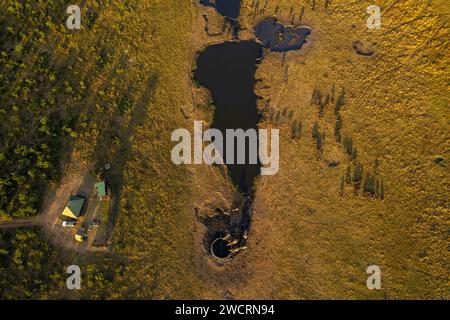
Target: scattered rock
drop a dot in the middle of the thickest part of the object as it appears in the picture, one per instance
(362, 49)
(226, 294)
(439, 160)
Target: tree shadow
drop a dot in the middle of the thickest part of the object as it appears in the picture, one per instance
(118, 155)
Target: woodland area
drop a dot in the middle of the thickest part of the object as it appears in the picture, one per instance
(32, 268)
(54, 92)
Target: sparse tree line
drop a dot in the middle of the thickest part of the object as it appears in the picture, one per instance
(319, 137)
(369, 183)
(277, 117)
(322, 101)
(260, 9)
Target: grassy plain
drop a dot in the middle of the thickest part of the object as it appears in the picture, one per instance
(319, 243)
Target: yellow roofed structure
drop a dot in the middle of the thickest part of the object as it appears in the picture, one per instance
(74, 207)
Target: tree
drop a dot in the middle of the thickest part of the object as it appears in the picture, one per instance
(348, 145)
(321, 109)
(354, 153)
(340, 102)
(318, 137)
(357, 177)
(296, 129)
(277, 119)
(348, 175)
(271, 115)
(337, 128)
(369, 184)
(333, 92)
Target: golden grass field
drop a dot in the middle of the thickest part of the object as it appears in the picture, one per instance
(307, 241)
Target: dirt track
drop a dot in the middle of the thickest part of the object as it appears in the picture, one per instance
(21, 223)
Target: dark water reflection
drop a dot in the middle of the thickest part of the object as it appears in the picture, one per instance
(280, 38)
(228, 71)
(227, 8)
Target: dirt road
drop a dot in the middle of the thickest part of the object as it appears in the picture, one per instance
(20, 223)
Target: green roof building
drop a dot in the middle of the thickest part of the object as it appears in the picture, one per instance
(101, 189)
(74, 207)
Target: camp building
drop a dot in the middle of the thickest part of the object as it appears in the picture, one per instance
(101, 189)
(74, 207)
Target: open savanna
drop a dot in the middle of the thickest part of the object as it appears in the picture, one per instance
(318, 243)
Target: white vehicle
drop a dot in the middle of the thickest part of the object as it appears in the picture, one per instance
(68, 224)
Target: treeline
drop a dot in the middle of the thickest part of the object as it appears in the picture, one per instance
(370, 183)
(367, 182)
(277, 118)
(323, 101)
(259, 8)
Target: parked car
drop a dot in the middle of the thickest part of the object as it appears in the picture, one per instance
(81, 235)
(95, 223)
(68, 224)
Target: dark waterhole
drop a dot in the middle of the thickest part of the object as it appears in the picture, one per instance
(227, 8)
(228, 71)
(220, 248)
